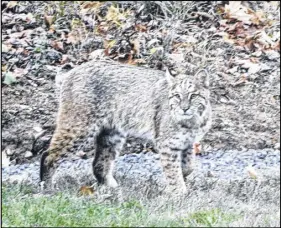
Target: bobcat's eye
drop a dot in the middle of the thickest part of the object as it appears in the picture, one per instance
(177, 96)
(192, 96)
(201, 108)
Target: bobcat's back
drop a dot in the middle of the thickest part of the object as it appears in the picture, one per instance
(116, 94)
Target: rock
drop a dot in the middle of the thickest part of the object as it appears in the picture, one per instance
(210, 174)
(81, 154)
(277, 146)
(272, 55)
(28, 154)
(262, 155)
(9, 152)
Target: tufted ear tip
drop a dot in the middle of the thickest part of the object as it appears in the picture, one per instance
(170, 76)
(202, 78)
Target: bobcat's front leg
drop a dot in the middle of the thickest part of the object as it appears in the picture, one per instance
(187, 160)
(171, 158)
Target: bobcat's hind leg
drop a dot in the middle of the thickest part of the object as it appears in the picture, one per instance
(109, 143)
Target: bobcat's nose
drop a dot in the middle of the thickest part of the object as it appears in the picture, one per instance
(185, 109)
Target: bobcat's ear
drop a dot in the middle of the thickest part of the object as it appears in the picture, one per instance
(170, 76)
(201, 79)
(43, 167)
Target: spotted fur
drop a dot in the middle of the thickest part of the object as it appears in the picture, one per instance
(104, 102)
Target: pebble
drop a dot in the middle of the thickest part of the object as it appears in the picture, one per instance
(28, 154)
(230, 164)
(10, 152)
(277, 146)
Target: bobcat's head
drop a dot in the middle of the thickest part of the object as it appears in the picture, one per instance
(189, 98)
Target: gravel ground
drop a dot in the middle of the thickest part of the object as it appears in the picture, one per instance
(145, 167)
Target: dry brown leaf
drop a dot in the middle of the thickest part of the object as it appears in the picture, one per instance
(12, 4)
(197, 148)
(109, 43)
(254, 60)
(226, 38)
(88, 4)
(234, 10)
(4, 68)
(71, 38)
(87, 7)
(58, 45)
(140, 28)
(276, 46)
(114, 15)
(137, 62)
(64, 59)
(242, 80)
(102, 29)
(49, 20)
(258, 17)
(22, 34)
(86, 191)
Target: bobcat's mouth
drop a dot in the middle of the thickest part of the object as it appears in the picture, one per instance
(187, 116)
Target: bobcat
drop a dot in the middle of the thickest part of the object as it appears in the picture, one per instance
(103, 102)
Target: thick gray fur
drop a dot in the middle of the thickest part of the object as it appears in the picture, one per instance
(104, 102)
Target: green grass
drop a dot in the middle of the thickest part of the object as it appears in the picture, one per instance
(20, 207)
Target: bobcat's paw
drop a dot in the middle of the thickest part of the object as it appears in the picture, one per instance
(111, 182)
(176, 189)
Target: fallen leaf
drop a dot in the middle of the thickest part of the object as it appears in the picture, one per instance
(241, 80)
(4, 68)
(5, 48)
(109, 44)
(257, 18)
(254, 60)
(140, 28)
(88, 7)
(234, 10)
(153, 50)
(64, 59)
(9, 78)
(139, 61)
(276, 46)
(58, 45)
(86, 191)
(251, 172)
(19, 72)
(197, 148)
(30, 17)
(49, 20)
(81, 154)
(72, 39)
(136, 47)
(114, 15)
(12, 4)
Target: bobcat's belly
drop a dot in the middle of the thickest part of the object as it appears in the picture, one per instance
(135, 124)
